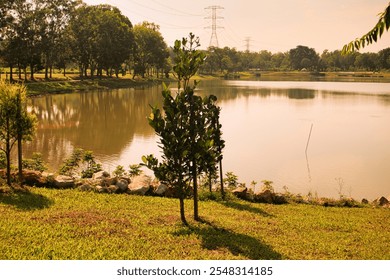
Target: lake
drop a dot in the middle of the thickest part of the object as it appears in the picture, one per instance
(266, 126)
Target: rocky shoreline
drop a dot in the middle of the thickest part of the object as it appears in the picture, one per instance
(103, 182)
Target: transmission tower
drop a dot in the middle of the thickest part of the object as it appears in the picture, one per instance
(214, 26)
(248, 43)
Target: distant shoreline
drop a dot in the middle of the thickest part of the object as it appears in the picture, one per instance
(60, 84)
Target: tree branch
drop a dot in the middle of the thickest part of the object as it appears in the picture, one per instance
(372, 36)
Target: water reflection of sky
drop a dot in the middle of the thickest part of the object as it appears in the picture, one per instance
(329, 87)
(265, 125)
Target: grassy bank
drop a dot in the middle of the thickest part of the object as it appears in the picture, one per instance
(69, 224)
(68, 86)
(72, 83)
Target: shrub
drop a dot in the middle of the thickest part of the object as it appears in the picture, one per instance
(135, 170)
(83, 160)
(35, 163)
(119, 171)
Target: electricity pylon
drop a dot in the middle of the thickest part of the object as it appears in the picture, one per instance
(214, 26)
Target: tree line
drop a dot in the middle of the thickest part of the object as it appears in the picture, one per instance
(42, 35)
(300, 58)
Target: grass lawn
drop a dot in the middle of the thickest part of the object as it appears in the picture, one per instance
(70, 224)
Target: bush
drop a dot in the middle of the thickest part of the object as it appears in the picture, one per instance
(34, 163)
(83, 160)
(119, 171)
(135, 170)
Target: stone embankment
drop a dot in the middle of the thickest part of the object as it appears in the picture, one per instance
(271, 197)
(103, 182)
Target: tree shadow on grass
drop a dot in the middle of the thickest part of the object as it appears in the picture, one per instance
(218, 238)
(245, 207)
(25, 200)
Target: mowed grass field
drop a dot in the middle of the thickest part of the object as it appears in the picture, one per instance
(70, 224)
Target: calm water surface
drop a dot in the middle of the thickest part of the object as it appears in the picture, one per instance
(266, 126)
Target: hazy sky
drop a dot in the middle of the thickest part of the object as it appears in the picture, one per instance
(274, 25)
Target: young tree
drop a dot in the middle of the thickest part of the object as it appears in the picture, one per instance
(175, 142)
(16, 124)
(189, 129)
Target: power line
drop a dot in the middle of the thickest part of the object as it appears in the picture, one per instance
(182, 13)
(214, 26)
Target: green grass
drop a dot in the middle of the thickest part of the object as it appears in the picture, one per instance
(68, 86)
(72, 82)
(70, 224)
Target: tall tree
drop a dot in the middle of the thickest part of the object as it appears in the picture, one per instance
(115, 39)
(57, 14)
(384, 58)
(303, 57)
(150, 48)
(23, 35)
(102, 38)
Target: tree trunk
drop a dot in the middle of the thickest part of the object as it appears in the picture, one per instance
(194, 170)
(46, 72)
(8, 157)
(19, 136)
(195, 178)
(32, 71)
(210, 183)
(8, 153)
(182, 214)
(11, 77)
(20, 160)
(221, 178)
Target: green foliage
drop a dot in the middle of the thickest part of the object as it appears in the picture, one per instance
(267, 185)
(205, 195)
(16, 124)
(102, 38)
(304, 57)
(189, 132)
(91, 165)
(253, 184)
(150, 49)
(72, 163)
(119, 171)
(134, 170)
(187, 60)
(35, 163)
(231, 179)
(372, 36)
(3, 161)
(80, 161)
(67, 224)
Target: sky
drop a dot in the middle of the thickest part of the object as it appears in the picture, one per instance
(273, 25)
